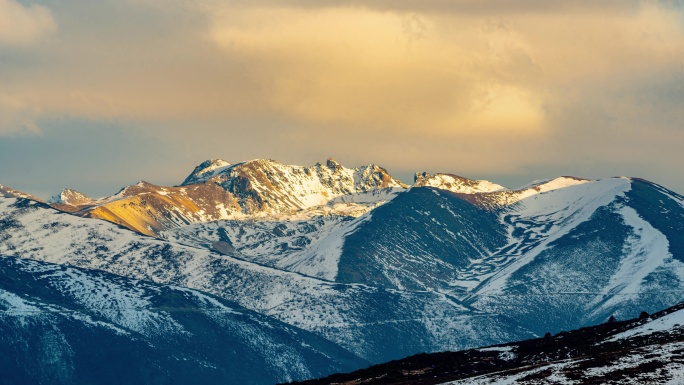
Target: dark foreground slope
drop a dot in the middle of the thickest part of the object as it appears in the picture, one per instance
(64, 325)
(646, 350)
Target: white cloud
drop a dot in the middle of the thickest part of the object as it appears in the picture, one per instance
(24, 24)
(16, 116)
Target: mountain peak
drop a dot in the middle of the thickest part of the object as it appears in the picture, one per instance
(333, 164)
(70, 197)
(206, 170)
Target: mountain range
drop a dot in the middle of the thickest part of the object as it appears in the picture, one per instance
(359, 266)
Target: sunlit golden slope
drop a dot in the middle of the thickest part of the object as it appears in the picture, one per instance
(149, 209)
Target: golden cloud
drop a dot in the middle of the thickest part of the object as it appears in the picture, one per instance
(380, 69)
(434, 86)
(445, 74)
(22, 25)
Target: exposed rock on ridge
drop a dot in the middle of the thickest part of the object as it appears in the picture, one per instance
(8, 192)
(71, 197)
(218, 190)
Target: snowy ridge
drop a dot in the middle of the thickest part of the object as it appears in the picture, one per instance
(281, 188)
(670, 194)
(585, 252)
(648, 351)
(547, 216)
(425, 239)
(8, 192)
(670, 323)
(503, 198)
(218, 190)
(454, 183)
(311, 246)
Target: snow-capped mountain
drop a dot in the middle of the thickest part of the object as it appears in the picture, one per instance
(381, 270)
(363, 319)
(577, 253)
(65, 325)
(644, 350)
(584, 249)
(587, 251)
(218, 190)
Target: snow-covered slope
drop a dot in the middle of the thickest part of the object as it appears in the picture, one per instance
(65, 325)
(502, 198)
(577, 249)
(425, 239)
(363, 319)
(584, 252)
(310, 246)
(644, 351)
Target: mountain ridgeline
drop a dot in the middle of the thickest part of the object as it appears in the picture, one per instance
(217, 190)
(350, 266)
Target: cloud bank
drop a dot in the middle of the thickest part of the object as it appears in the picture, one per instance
(24, 24)
(473, 87)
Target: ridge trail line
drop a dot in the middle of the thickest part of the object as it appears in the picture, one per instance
(203, 310)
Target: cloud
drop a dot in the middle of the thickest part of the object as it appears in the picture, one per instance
(24, 24)
(17, 116)
(461, 7)
(451, 73)
(360, 67)
(461, 86)
(448, 74)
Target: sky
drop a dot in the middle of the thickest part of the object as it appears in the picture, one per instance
(96, 95)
